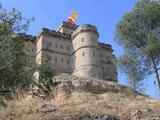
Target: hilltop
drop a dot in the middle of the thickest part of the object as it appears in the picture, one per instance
(78, 98)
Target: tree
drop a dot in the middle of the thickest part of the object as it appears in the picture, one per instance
(139, 33)
(129, 64)
(16, 68)
(46, 83)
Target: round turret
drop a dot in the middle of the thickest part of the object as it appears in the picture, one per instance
(85, 52)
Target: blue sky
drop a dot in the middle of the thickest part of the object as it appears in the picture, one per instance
(104, 14)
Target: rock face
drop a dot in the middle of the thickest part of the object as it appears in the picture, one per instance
(46, 108)
(77, 98)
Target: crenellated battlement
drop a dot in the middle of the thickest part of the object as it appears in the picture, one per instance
(105, 46)
(66, 25)
(54, 33)
(26, 37)
(85, 28)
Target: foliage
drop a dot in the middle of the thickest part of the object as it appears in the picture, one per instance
(16, 67)
(2, 102)
(129, 91)
(132, 67)
(139, 33)
(46, 83)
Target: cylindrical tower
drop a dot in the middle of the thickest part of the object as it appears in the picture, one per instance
(85, 52)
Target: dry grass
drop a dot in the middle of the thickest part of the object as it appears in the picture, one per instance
(25, 109)
(72, 102)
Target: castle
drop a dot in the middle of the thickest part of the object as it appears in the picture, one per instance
(75, 50)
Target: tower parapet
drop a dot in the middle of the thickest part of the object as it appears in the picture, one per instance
(54, 33)
(85, 28)
(105, 46)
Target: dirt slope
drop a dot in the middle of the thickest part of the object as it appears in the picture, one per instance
(84, 99)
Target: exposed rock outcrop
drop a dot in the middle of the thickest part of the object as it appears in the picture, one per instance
(78, 98)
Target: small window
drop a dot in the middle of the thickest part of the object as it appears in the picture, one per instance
(56, 45)
(62, 46)
(102, 55)
(48, 58)
(82, 39)
(50, 44)
(109, 61)
(62, 60)
(93, 53)
(32, 49)
(67, 47)
(83, 54)
(67, 61)
(55, 59)
(103, 68)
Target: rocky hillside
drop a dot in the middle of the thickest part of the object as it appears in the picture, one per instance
(84, 99)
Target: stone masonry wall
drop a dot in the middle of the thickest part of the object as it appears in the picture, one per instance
(76, 50)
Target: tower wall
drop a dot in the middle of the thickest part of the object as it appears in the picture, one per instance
(84, 51)
(107, 62)
(54, 47)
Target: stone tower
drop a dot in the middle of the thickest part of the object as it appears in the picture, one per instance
(76, 50)
(84, 51)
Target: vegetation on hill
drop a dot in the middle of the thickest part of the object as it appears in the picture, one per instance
(17, 68)
(80, 98)
(139, 34)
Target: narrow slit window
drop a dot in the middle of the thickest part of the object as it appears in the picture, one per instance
(83, 54)
(48, 58)
(93, 53)
(55, 59)
(67, 61)
(62, 60)
(62, 46)
(50, 44)
(82, 39)
(102, 55)
(56, 45)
